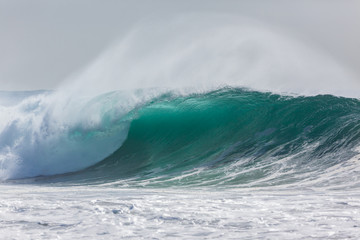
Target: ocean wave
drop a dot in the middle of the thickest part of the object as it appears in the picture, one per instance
(226, 137)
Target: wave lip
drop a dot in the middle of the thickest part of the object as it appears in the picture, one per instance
(45, 133)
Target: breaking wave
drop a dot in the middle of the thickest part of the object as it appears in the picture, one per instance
(228, 136)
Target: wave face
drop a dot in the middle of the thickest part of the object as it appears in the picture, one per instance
(226, 137)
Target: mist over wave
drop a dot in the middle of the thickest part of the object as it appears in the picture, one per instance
(96, 113)
(205, 51)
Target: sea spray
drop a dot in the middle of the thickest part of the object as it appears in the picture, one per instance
(205, 51)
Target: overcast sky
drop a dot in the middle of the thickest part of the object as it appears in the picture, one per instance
(43, 42)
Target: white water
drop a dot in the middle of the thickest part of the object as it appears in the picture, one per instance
(105, 213)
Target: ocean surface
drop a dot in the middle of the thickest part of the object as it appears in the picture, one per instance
(225, 163)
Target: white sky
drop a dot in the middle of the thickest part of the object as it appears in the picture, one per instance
(43, 42)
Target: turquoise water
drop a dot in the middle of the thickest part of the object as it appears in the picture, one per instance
(229, 137)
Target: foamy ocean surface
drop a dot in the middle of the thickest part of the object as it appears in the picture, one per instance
(105, 213)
